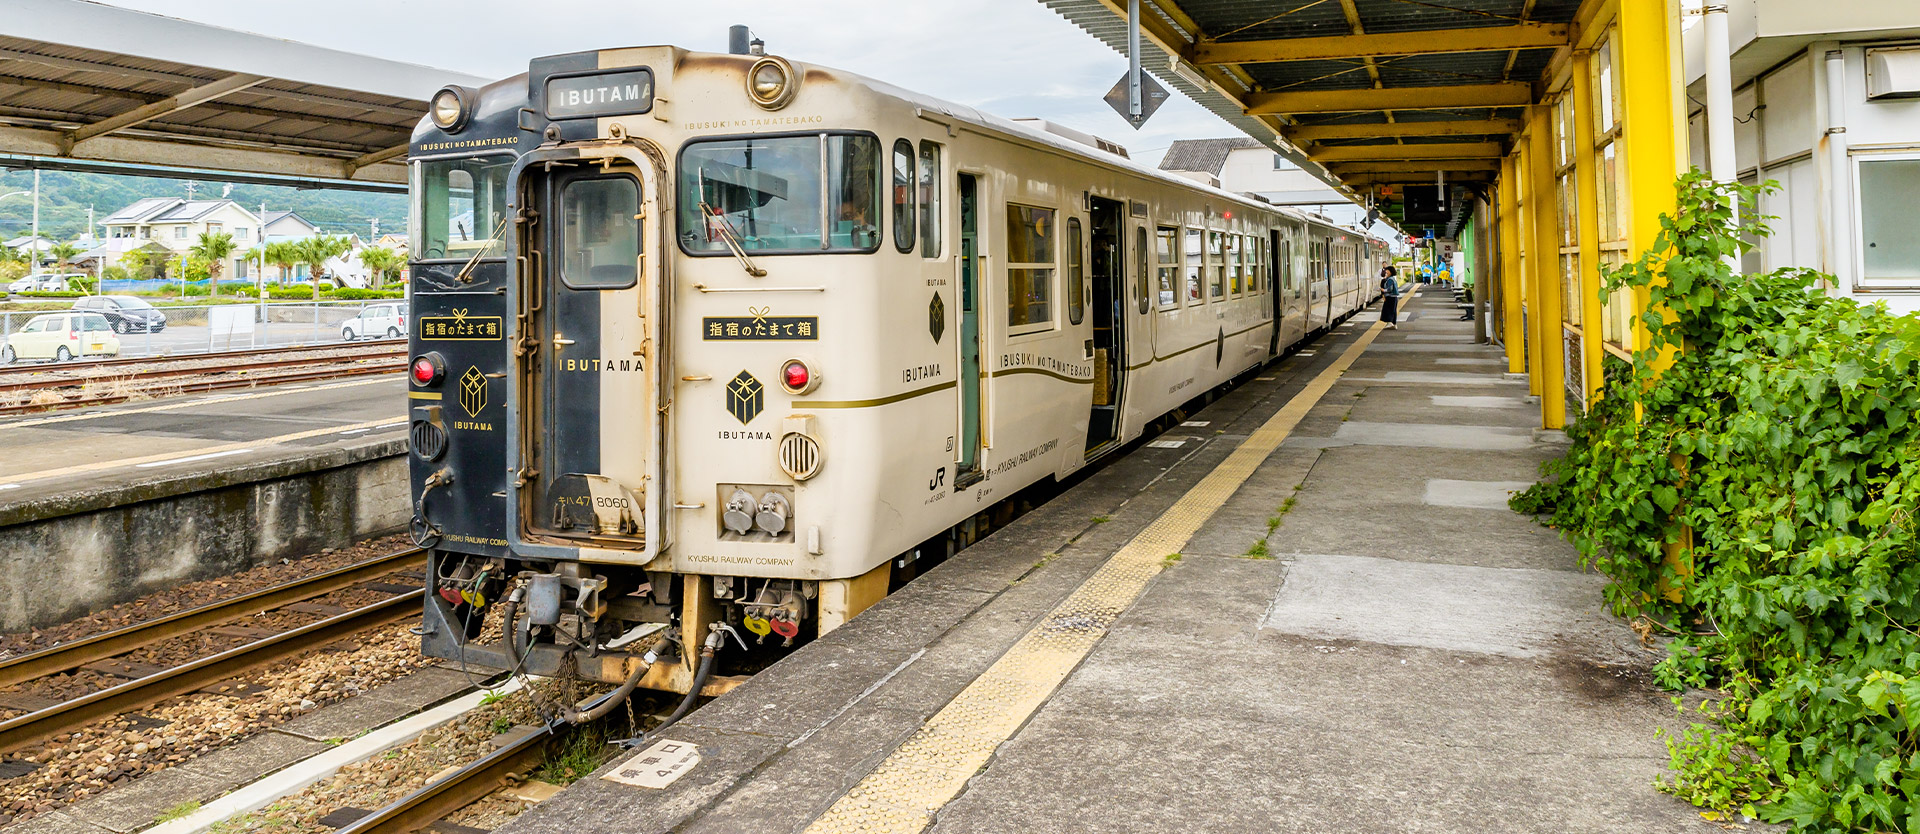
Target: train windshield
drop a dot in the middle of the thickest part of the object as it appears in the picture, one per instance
(781, 194)
(461, 208)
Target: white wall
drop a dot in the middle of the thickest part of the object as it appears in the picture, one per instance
(1784, 139)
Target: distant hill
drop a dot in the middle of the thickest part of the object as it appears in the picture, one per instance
(64, 198)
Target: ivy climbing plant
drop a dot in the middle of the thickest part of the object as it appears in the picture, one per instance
(1751, 485)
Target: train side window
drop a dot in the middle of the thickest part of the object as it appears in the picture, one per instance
(1236, 264)
(1030, 265)
(1192, 256)
(1141, 268)
(903, 184)
(1216, 265)
(1076, 274)
(929, 200)
(599, 235)
(1169, 260)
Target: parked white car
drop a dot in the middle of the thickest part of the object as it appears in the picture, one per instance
(60, 337)
(376, 321)
(43, 282)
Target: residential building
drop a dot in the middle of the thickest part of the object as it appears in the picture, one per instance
(286, 225)
(177, 225)
(1826, 102)
(113, 252)
(1244, 166)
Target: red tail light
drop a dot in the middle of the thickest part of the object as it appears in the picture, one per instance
(797, 377)
(428, 369)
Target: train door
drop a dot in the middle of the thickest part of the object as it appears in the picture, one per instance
(967, 470)
(591, 453)
(1107, 264)
(1277, 288)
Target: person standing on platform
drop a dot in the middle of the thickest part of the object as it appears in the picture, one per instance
(1390, 304)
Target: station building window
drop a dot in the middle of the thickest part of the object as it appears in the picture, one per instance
(1195, 259)
(1890, 252)
(1076, 274)
(1168, 238)
(1617, 311)
(1030, 266)
(929, 200)
(903, 187)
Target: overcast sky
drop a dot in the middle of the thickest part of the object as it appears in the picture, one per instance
(1008, 57)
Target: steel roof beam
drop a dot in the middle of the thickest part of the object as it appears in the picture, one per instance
(1315, 133)
(374, 158)
(1501, 94)
(220, 106)
(1347, 47)
(1407, 166)
(1441, 150)
(174, 103)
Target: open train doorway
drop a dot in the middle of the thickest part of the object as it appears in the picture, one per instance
(1108, 278)
(967, 461)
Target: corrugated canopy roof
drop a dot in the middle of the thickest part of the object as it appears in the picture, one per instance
(85, 82)
(1360, 92)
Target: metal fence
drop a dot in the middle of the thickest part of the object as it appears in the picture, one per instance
(224, 326)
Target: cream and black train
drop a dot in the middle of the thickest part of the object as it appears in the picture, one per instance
(707, 340)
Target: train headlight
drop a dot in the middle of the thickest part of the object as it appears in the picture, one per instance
(771, 84)
(797, 377)
(450, 108)
(428, 369)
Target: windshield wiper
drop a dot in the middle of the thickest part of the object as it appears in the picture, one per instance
(732, 240)
(466, 272)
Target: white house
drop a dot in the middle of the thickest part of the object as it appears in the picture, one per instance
(177, 225)
(1826, 102)
(1245, 166)
(287, 225)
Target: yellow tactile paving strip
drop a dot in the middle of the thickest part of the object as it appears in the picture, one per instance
(933, 766)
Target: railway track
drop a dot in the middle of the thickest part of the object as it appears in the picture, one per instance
(233, 370)
(517, 755)
(222, 357)
(41, 724)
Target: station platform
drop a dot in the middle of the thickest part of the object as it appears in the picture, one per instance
(103, 505)
(59, 458)
(1307, 609)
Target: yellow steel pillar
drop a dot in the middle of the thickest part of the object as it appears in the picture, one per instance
(1543, 269)
(1586, 182)
(1529, 247)
(1509, 255)
(1653, 115)
(1654, 136)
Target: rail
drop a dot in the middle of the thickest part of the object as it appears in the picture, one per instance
(456, 790)
(63, 717)
(136, 361)
(107, 644)
(339, 369)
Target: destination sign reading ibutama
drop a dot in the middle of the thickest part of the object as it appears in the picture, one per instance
(609, 94)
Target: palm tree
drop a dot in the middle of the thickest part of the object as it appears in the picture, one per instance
(60, 252)
(316, 250)
(283, 254)
(214, 248)
(384, 263)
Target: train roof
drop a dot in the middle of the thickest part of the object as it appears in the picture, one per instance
(500, 102)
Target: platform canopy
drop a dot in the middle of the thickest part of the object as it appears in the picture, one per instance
(85, 86)
(1363, 92)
